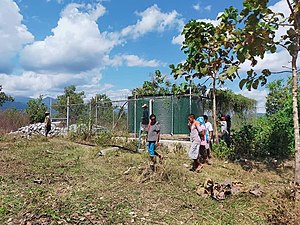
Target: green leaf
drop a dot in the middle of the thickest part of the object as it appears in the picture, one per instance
(255, 84)
(242, 83)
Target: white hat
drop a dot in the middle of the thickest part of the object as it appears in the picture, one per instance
(144, 106)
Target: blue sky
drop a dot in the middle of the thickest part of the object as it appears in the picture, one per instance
(108, 46)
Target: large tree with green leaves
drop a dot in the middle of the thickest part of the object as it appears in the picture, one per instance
(4, 97)
(77, 107)
(36, 109)
(159, 85)
(257, 35)
(209, 50)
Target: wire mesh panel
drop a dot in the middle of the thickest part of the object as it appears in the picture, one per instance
(171, 111)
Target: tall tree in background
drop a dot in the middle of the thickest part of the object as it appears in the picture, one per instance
(279, 95)
(158, 85)
(209, 52)
(77, 107)
(4, 97)
(36, 109)
(102, 108)
(257, 37)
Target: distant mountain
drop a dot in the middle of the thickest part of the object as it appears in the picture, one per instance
(20, 103)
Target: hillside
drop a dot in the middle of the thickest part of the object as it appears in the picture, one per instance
(20, 103)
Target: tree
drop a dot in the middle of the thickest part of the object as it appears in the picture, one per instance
(256, 37)
(158, 85)
(229, 102)
(77, 107)
(279, 95)
(209, 52)
(36, 109)
(4, 97)
(104, 108)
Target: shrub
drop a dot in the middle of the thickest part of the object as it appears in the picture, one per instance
(270, 136)
(222, 151)
(104, 138)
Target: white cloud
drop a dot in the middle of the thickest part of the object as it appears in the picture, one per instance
(281, 7)
(152, 19)
(76, 45)
(133, 60)
(197, 7)
(208, 8)
(34, 84)
(13, 34)
(259, 96)
(178, 39)
(273, 61)
(116, 95)
(58, 1)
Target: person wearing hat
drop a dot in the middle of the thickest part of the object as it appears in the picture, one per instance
(47, 123)
(145, 118)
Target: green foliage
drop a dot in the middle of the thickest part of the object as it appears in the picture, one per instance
(36, 109)
(254, 36)
(208, 50)
(104, 109)
(4, 97)
(222, 151)
(229, 102)
(77, 107)
(104, 138)
(266, 137)
(279, 95)
(159, 85)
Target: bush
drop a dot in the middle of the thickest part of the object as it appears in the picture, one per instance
(270, 136)
(222, 151)
(104, 138)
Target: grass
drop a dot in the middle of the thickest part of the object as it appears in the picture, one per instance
(56, 181)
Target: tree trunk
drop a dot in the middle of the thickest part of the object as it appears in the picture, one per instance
(296, 119)
(214, 109)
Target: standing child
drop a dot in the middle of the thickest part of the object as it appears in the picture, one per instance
(153, 139)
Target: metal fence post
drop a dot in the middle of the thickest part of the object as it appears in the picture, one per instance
(134, 116)
(96, 112)
(90, 119)
(68, 112)
(172, 125)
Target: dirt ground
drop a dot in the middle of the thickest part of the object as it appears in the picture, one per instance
(56, 181)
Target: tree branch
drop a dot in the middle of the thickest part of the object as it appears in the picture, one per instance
(283, 46)
(290, 6)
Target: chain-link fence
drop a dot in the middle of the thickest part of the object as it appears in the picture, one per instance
(125, 115)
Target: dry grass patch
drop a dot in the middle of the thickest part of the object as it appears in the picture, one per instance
(59, 182)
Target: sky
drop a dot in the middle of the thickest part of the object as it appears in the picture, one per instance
(108, 46)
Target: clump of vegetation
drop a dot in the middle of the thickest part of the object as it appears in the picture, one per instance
(36, 109)
(11, 120)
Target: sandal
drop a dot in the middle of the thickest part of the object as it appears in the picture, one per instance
(199, 168)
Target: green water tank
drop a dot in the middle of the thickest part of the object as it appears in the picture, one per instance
(171, 111)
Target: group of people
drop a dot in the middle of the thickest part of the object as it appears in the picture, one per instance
(201, 136)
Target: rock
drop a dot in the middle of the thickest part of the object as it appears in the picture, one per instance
(256, 191)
